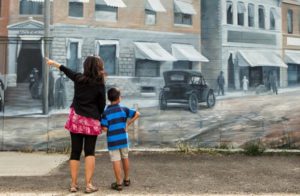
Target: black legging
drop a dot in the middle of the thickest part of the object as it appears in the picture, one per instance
(77, 144)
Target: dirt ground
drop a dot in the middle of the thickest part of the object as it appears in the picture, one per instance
(177, 173)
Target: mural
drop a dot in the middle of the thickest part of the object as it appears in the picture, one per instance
(210, 73)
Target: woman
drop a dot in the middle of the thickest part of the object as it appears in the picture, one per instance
(245, 83)
(85, 112)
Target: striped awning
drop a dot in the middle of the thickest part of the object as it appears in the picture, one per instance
(155, 5)
(292, 56)
(184, 7)
(260, 58)
(111, 3)
(152, 51)
(186, 52)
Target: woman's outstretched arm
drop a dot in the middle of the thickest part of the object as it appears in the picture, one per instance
(69, 73)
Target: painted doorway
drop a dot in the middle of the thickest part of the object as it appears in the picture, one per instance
(230, 65)
(30, 57)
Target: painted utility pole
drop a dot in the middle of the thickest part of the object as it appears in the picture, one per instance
(46, 50)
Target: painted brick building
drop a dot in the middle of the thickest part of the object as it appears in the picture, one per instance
(137, 39)
(291, 39)
(242, 38)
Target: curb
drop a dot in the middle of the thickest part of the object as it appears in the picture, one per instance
(236, 150)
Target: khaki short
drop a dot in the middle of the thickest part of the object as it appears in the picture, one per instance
(117, 155)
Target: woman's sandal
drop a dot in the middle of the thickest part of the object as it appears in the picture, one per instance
(73, 189)
(126, 182)
(116, 186)
(91, 189)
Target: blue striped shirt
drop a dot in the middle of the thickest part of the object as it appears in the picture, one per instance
(114, 118)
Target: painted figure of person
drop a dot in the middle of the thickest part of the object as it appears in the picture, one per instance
(51, 89)
(221, 83)
(2, 89)
(273, 82)
(34, 84)
(33, 77)
(245, 83)
(266, 81)
(60, 92)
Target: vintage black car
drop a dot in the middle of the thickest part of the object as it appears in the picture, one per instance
(185, 86)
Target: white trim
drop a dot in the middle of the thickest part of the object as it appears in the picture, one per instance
(107, 42)
(19, 46)
(68, 44)
(293, 41)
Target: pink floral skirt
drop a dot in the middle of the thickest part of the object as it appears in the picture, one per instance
(82, 125)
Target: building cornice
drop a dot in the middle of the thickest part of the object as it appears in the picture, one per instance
(293, 2)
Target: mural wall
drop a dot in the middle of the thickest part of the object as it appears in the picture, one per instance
(210, 73)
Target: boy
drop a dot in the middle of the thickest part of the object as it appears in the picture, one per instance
(114, 122)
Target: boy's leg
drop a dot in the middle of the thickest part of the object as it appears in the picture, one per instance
(117, 171)
(115, 157)
(125, 163)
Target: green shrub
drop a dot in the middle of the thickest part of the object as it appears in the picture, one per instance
(253, 149)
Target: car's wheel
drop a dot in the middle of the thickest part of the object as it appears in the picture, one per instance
(162, 101)
(193, 103)
(211, 99)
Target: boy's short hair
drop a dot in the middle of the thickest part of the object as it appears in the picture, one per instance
(113, 94)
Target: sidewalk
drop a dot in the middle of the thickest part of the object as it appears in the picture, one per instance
(167, 173)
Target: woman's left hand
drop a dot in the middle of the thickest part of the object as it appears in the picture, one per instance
(52, 63)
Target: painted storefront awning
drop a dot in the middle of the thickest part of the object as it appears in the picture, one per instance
(80, 1)
(41, 1)
(152, 51)
(111, 3)
(184, 7)
(292, 56)
(259, 58)
(185, 52)
(155, 5)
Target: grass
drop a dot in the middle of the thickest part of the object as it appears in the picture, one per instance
(254, 149)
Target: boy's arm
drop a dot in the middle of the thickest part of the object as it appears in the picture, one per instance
(136, 116)
(104, 129)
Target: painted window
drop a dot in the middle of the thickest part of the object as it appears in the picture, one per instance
(181, 18)
(108, 55)
(28, 7)
(75, 9)
(261, 17)
(182, 65)
(241, 13)
(105, 12)
(150, 17)
(272, 19)
(229, 13)
(251, 15)
(290, 21)
(73, 61)
(147, 68)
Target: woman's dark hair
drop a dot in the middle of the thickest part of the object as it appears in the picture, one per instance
(93, 70)
(113, 94)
